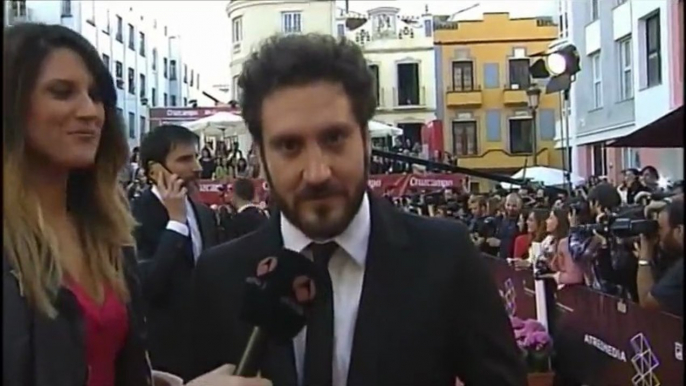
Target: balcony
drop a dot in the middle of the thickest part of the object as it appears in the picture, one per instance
(20, 15)
(502, 159)
(461, 96)
(514, 95)
(409, 102)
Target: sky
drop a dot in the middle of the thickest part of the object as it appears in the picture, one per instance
(205, 28)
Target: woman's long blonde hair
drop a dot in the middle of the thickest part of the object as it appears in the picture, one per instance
(94, 197)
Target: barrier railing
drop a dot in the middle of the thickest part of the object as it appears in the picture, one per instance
(601, 340)
(394, 184)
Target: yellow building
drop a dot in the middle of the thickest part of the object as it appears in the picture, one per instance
(482, 78)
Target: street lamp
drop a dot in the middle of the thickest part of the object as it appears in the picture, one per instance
(533, 95)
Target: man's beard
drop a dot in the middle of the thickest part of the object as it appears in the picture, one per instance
(325, 228)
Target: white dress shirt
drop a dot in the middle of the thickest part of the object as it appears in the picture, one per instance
(347, 273)
(183, 229)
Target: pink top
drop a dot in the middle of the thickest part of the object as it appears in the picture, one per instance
(567, 271)
(106, 328)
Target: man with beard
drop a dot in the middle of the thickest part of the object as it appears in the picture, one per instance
(507, 228)
(664, 291)
(428, 311)
(173, 230)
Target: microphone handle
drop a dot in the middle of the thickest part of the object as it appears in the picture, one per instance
(251, 360)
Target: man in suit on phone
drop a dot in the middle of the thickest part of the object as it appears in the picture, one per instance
(173, 230)
(410, 300)
(248, 217)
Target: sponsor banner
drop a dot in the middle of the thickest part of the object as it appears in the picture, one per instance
(600, 339)
(394, 184)
(182, 115)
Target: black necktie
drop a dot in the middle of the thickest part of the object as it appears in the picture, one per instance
(190, 250)
(319, 346)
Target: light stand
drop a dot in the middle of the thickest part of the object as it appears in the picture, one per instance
(533, 94)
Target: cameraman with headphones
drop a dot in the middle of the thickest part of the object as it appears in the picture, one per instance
(663, 290)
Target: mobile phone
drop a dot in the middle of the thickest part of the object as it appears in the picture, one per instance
(157, 170)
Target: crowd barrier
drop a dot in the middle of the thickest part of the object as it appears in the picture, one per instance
(600, 340)
(393, 184)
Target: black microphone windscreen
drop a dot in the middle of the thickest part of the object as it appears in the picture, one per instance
(277, 296)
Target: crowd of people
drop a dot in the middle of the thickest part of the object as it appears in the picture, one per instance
(624, 240)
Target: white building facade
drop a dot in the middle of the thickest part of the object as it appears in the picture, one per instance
(252, 21)
(625, 82)
(400, 52)
(143, 55)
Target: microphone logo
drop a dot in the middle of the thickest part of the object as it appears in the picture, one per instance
(265, 266)
(303, 289)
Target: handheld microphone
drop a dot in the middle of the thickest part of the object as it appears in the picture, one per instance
(276, 302)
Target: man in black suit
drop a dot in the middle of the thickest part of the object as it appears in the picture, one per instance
(248, 217)
(173, 230)
(410, 301)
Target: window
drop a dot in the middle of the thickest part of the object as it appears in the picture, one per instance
(153, 97)
(521, 136)
(237, 94)
(106, 28)
(185, 101)
(519, 74)
(197, 80)
(408, 84)
(172, 69)
(132, 82)
(88, 9)
(66, 8)
(594, 10)
(291, 22)
(620, 2)
(119, 35)
(463, 76)
(164, 67)
(106, 60)
(119, 70)
(596, 71)
(142, 85)
(154, 59)
(653, 48)
(132, 126)
(120, 113)
(340, 30)
(141, 43)
(132, 38)
(185, 74)
(375, 71)
(142, 125)
(165, 99)
(237, 30)
(599, 158)
(626, 83)
(173, 100)
(192, 78)
(465, 138)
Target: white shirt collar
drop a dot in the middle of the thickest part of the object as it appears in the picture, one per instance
(354, 239)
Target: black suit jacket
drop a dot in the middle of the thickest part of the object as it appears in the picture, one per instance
(248, 220)
(166, 269)
(429, 310)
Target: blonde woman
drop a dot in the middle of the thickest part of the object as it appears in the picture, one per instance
(72, 311)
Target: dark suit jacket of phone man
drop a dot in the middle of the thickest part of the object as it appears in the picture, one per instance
(166, 265)
(429, 310)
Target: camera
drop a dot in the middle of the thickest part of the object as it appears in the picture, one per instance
(620, 227)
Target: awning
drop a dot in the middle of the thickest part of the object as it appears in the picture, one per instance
(666, 132)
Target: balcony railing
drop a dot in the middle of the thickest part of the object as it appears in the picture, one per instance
(464, 95)
(408, 100)
(20, 14)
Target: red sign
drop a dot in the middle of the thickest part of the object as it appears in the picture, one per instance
(181, 115)
(394, 184)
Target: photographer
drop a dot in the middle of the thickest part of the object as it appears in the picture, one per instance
(608, 273)
(656, 289)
